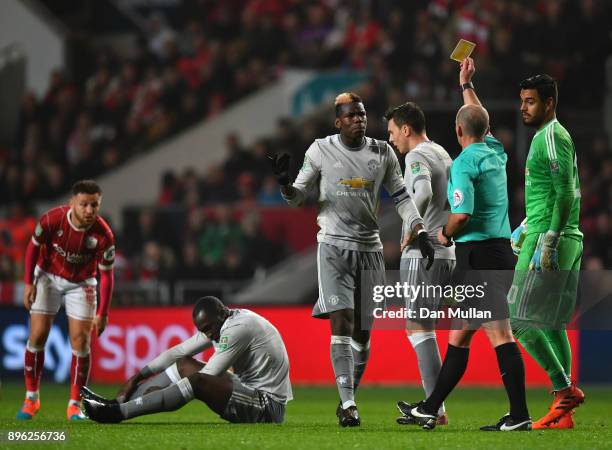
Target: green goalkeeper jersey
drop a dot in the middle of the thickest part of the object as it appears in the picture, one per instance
(552, 187)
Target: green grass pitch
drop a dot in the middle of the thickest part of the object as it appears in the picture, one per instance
(311, 423)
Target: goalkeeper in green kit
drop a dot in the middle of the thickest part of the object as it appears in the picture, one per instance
(549, 244)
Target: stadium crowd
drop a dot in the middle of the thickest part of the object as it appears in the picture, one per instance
(185, 70)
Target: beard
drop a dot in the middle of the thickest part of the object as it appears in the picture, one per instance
(81, 220)
(532, 122)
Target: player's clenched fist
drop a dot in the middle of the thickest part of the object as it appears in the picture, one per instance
(29, 295)
(280, 167)
(467, 70)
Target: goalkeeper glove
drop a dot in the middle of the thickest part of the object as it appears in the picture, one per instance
(426, 247)
(545, 257)
(280, 167)
(518, 236)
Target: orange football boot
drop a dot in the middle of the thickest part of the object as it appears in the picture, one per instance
(565, 400)
(565, 422)
(29, 409)
(74, 413)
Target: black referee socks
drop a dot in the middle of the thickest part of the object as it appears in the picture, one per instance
(453, 368)
(512, 371)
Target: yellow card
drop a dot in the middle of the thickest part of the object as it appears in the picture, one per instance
(462, 50)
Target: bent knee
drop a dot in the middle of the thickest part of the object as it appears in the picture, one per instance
(187, 366)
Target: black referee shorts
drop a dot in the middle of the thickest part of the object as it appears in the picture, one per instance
(487, 266)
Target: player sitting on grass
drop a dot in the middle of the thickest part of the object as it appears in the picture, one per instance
(256, 391)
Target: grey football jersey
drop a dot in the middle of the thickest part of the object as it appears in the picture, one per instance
(349, 181)
(253, 347)
(429, 163)
(249, 344)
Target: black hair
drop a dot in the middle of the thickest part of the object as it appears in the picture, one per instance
(409, 114)
(545, 85)
(86, 187)
(210, 306)
(346, 98)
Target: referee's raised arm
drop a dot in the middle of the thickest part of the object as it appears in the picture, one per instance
(466, 72)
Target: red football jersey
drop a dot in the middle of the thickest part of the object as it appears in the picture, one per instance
(70, 253)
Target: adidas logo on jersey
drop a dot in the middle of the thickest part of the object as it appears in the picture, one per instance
(338, 165)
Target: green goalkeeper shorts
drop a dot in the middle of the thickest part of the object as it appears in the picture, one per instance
(545, 299)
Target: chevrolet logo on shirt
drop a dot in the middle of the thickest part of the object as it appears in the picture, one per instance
(357, 183)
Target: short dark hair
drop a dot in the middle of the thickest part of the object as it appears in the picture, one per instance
(409, 114)
(209, 306)
(86, 187)
(346, 98)
(545, 85)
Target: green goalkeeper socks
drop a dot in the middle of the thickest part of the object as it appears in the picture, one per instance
(539, 347)
(560, 344)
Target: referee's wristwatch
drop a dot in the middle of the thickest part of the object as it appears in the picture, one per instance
(468, 85)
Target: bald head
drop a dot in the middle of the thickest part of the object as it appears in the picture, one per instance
(473, 120)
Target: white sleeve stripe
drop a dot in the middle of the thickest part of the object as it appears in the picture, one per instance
(105, 267)
(550, 143)
(35, 242)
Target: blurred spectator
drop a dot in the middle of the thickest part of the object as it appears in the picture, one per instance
(155, 262)
(190, 266)
(270, 193)
(178, 75)
(219, 235)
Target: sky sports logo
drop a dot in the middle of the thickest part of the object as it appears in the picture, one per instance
(122, 350)
(58, 352)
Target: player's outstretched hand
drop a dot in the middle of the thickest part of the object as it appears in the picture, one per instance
(426, 247)
(280, 167)
(29, 295)
(467, 70)
(128, 389)
(100, 324)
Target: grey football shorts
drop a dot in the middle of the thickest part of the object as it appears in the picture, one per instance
(249, 405)
(432, 283)
(340, 276)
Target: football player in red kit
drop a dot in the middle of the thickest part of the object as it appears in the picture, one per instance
(70, 243)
